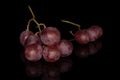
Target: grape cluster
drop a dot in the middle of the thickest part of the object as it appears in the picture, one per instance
(86, 35)
(46, 43)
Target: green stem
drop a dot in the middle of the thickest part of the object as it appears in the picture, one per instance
(71, 23)
(36, 33)
(31, 11)
(29, 24)
(33, 19)
(38, 25)
(42, 24)
(71, 33)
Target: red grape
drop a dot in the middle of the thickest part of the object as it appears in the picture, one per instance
(51, 53)
(33, 52)
(65, 47)
(94, 32)
(99, 30)
(82, 37)
(50, 36)
(24, 35)
(33, 39)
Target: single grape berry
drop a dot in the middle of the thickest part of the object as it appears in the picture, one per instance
(82, 37)
(98, 30)
(94, 32)
(24, 35)
(33, 52)
(65, 47)
(51, 53)
(50, 36)
(33, 39)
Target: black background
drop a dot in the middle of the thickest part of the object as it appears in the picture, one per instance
(95, 66)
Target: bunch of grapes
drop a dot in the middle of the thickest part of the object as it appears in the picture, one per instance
(54, 46)
(86, 35)
(46, 43)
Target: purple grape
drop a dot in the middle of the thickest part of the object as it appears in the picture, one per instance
(33, 39)
(33, 52)
(65, 47)
(82, 37)
(50, 36)
(51, 53)
(94, 32)
(24, 35)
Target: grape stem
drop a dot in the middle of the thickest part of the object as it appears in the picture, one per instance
(31, 11)
(71, 33)
(33, 19)
(71, 23)
(41, 24)
(36, 33)
(29, 24)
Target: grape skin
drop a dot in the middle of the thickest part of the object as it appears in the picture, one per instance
(94, 32)
(24, 35)
(65, 47)
(82, 37)
(93, 35)
(98, 29)
(51, 53)
(88, 35)
(33, 39)
(33, 52)
(50, 36)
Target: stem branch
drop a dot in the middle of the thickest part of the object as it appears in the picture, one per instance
(31, 11)
(29, 24)
(71, 33)
(71, 23)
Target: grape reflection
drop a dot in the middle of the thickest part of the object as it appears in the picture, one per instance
(83, 51)
(46, 70)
